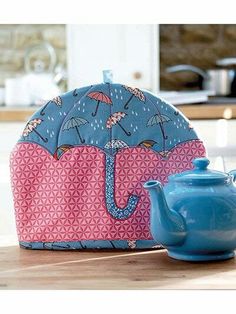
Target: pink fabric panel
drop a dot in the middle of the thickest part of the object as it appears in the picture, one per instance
(64, 200)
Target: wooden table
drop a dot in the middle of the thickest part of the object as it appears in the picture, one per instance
(26, 269)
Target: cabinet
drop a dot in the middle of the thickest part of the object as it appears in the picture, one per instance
(130, 51)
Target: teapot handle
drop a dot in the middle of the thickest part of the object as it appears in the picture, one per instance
(232, 173)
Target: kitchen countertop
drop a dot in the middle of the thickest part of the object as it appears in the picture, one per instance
(210, 110)
(26, 269)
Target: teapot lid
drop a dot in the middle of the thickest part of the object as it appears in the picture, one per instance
(200, 175)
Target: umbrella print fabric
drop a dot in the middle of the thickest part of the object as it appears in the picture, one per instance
(99, 97)
(31, 127)
(116, 144)
(75, 123)
(114, 119)
(56, 100)
(135, 92)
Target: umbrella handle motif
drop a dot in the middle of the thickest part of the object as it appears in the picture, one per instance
(42, 113)
(96, 110)
(126, 132)
(81, 139)
(75, 93)
(45, 140)
(113, 209)
(126, 106)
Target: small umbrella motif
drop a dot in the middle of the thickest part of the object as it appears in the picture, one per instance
(116, 144)
(147, 143)
(115, 119)
(99, 97)
(131, 244)
(159, 119)
(135, 92)
(61, 150)
(75, 122)
(164, 154)
(31, 127)
(56, 100)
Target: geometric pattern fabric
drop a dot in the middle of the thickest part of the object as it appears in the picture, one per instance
(64, 200)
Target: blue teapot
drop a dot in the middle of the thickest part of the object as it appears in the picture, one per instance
(194, 215)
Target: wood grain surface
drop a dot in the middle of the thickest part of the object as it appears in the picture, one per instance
(26, 269)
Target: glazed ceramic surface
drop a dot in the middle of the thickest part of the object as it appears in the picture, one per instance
(79, 166)
(194, 215)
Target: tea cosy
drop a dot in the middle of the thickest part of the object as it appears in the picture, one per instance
(78, 168)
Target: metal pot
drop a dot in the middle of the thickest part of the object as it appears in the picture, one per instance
(222, 81)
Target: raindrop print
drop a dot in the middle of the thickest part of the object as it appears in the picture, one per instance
(132, 112)
(52, 119)
(144, 109)
(96, 121)
(148, 109)
(166, 108)
(115, 90)
(94, 128)
(180, 125)
(49, 118)
(91, 125)
(117, 97)
(83, 104)
(96, 142)
(136, 127)
(111, 94)
(121, 97)
(79, 108)
(83, 110)
(91, 141)
(131, 125)
(60, 113)
(100, 121)
(120, 91)
(64, 113)
(136, 113)
(53, 133)
(161, 106)
(47, 131)
(102, 128)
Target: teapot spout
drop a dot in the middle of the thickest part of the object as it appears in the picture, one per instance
(167, 226)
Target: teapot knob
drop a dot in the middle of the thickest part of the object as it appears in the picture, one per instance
(201, 163)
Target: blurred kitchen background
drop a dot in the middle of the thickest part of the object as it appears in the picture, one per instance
(191, 66)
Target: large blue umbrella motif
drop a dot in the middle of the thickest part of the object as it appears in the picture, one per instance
(75, 123)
